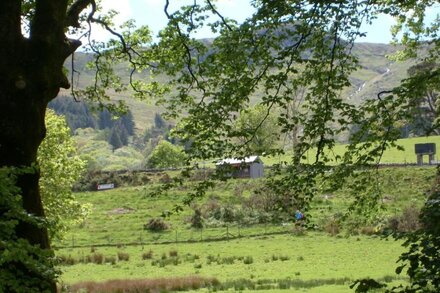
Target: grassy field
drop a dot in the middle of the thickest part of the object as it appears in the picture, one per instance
(118, 216)
(314, 259)
(240, 256)
(407, 156)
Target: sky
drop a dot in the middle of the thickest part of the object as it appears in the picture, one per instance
(150, 12)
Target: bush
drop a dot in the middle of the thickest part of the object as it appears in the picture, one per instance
(173, 253)
(408, 221)
(97, 258)
(165, 179)
(368, 230)
(123, 256)
(332, 227)
(248, 260)
(196, 219)
(156, 225)
(110, 259)
(66, 260)
(147, 255)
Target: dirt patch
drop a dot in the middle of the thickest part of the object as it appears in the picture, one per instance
(120, 211)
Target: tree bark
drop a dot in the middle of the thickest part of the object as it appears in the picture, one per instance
(31, 74)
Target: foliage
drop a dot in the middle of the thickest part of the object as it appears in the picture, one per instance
(37, 37)
(156, 225)
(78, 115)
(197, 219)
(407, 222)
(60, 168)
(100, 155)
(421, 260)
(259, 128)
(23, 267)
(286, 46)
(166, 155)
(90, 180)
(283, 47)
(83, 115)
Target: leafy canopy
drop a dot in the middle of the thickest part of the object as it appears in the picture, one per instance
(290, 46)
(259, 129)
(60, 168)
(166, 155)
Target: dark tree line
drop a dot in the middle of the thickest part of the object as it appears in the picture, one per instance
(160, 130)
(81, 115)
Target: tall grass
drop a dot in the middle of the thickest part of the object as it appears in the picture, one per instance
(146, 285)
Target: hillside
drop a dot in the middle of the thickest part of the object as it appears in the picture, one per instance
(377, 73)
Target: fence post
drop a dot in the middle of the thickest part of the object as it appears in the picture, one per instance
(73, 241)
(176, 236)
(201, 234)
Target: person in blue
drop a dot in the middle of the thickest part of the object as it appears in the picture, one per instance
(298, 215)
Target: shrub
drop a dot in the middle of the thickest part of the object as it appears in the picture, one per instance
(197, 219)
(332, 227)
(229, 260)
(298, 230)
(248, 260)
(123, 256)
(97, 258)
(110, 259)
(165, 179)
(284, 258)
(408, 221)
(66, 260)
(173, 253)
(156, 225)
(202, 174)
(368, 230)
(212, 209)
(147, 255)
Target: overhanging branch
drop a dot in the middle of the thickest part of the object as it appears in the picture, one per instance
(72, 17)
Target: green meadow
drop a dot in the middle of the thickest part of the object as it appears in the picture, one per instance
(112, 243)
(392, 155)
(315, 259)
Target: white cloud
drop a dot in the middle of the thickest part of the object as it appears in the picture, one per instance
(122, 7)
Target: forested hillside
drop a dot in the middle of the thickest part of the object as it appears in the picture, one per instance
(376, 72)
(127, 142)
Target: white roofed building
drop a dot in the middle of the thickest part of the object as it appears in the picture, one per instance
(248, 167)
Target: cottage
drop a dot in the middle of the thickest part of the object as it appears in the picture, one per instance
(248, 167)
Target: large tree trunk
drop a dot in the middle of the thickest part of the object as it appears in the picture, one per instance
(30, 76)
(24, 94)
(22, 130)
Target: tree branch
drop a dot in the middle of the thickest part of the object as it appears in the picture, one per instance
(48, 22)
(215, 11)
(10, 30)
(72, 17)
